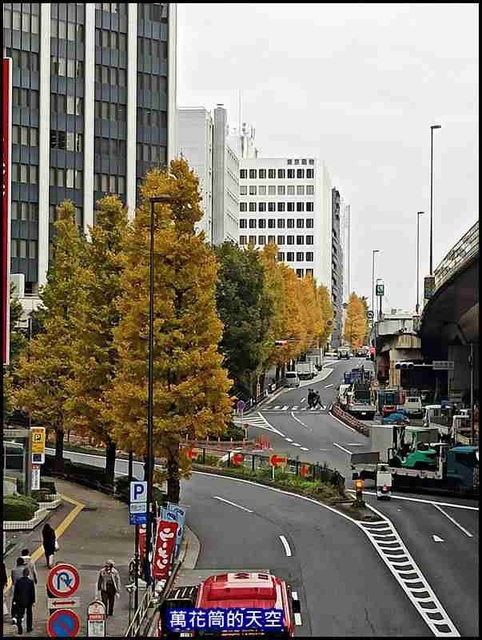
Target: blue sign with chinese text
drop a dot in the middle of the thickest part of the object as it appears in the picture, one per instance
(231, 619)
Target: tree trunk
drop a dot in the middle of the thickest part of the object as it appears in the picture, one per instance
(130, 466)
(277, 372)
(173, 477)
(110, 451)
(59, 449)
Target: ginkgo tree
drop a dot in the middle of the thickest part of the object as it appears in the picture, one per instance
(355, 328)
(190, 384)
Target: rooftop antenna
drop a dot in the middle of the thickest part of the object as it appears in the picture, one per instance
(239, 111)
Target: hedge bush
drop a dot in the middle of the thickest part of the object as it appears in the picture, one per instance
(19, 508)
(48, 485)
(88, 475)
(41, 495)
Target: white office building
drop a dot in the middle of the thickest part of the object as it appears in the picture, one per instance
(288, 201)
(203, 141)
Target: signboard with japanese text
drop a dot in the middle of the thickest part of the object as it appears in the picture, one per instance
(38, 440)
(164, 549)
(229, 619)
(6, 199)
(175, 513)
(35, 477)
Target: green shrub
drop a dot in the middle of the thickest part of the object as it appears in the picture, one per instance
(41, 495)
(48, 485)
(20, 485)
(19, 508)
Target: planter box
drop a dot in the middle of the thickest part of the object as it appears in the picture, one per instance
(52, 504)
(26, 525)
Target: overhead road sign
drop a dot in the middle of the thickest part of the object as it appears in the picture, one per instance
(443, 365)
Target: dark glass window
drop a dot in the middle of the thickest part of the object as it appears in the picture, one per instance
(243, 223)
(271, 223)
(271, 174)
(261, 206)
(290, 256)
(281, 206)
(281, 223)
(310, 173)
(262, 224)
(243, 173)
(309, 223)
(291, 223)
(271, 206)
(281, 173)
(262, 174)
(291, 173)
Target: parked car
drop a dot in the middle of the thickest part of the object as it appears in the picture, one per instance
(292, 379)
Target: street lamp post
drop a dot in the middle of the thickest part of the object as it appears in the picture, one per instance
(419, 213)
(374, 251)
(432, 127)
(150, 396)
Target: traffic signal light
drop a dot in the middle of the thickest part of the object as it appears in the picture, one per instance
(404, 365)
(359, 491)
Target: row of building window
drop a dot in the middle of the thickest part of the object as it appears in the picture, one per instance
(149, 118)
(26, 60)
(112, 7)
(25, 173)
(26, 136)
(110, 40)
(290, 223)
(23, 248)
(276, 206)
(70, 105)
(110, 111)
(149, 82)
(25, 98)
(150, 153)
(27, 211)
(280, 174)
(153, 11)
(109, 184)
(156, 49)
(66, 30)
(29, 23)
(302, 161)
(280, 240)
(110, 75)
(54, 214)
(110, 147)
(66, 140)
(68, 178)
(281, 190)
(263, 240)
(65, 68)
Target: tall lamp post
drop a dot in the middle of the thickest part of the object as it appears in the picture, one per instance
(373, 283)
(432, 128)
(417, 307)
(150, 396)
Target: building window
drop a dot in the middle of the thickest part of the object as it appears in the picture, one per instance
(243, 223)
(300, 239)
(281, 190)
(281, 240)
(310, 206)
(300, 223)
(300, 206)
(291, 223)
(291, 174)
(262, 189)
(271, 239)
(303, 161)
(24, 173)
(309, 256)
(290, 256)
(290, 206)
(271, 174)
(297, 162)
(252, 189)
(291, 190)
(310, 190)
(309, 272)
(252, 174)
(309, 239)
(243, 190)
(310, 223)
(252, 224)
(281, 256)
(271, 223)
(300, 173)
(290, 162)
(252, 239)
(243, 174)
(272, 190)
(261, 206)
(281, 223)
(252, 206)
(281, 174)
(300, 190)
(271, 206)
(310, 173)
(25, 136)
(26, 211)
(24, 98)
(262, 224)
(300, 256)
(261, 240)
(299, 273)
(242, 239)
(243, 206)
(262, 174)
(290, 239)
(281, 206)
(311, 161)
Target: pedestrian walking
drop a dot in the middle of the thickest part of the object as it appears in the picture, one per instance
(317, 400)
(3, 578)
(49, 540)
(16, 574)
(24, 599)
(108, 583)
(30, 564)
(311, 397)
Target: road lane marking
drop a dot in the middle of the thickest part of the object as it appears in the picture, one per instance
(328, 385)
(467, 533)
(342, 448)
(298, 420)
(302, 399)
(289, 439)
(233, 504)
(285, 544)
(304, 449)
(294, 408)
(296, 444)
(433, 502)
(437, 538)
(298, 621)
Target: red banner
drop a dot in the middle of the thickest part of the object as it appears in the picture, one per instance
(6, 159)
(163, 549)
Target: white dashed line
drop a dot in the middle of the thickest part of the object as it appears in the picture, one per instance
(467, 533)
(289, 439)
(328, 386)
(342, 448)
(304, 449)
(233, 504)
(285, 544)
(296, 444)
(298, 420)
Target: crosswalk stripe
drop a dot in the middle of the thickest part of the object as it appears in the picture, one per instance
(278, 406)
(285, 408)
(294, 408)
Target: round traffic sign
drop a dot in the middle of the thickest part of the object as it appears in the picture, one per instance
(63, 623)
(237, 459)
(63, 580)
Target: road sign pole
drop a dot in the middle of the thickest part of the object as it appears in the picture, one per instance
(136, 569)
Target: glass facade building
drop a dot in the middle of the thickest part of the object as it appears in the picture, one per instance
(93, 107)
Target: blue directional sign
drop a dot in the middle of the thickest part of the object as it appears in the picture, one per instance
(138, 518)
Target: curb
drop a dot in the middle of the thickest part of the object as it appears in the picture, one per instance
(193, 549)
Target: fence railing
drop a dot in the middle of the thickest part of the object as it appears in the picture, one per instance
(466, 248)
(350, 420)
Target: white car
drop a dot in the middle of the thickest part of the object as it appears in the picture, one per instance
(292, 379)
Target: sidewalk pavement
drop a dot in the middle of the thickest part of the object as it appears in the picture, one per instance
(91, 528)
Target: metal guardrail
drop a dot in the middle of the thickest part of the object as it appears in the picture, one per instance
(140, 615)
(464, 250)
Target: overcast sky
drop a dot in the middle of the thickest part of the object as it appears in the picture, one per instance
(358, 86)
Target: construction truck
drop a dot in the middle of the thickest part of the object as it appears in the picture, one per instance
(306, 370)
(418, 458)
(357, 395)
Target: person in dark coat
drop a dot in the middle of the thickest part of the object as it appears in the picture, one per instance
(311, 397)
(49, 539)
(24, 599)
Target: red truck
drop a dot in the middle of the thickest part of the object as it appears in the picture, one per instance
(241, 591)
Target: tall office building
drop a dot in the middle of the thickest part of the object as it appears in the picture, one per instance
(203, 140)
(336, 270)
(287, 201)
(93, 107)
(345, 228)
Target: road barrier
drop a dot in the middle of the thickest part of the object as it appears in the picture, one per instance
(351, 421)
